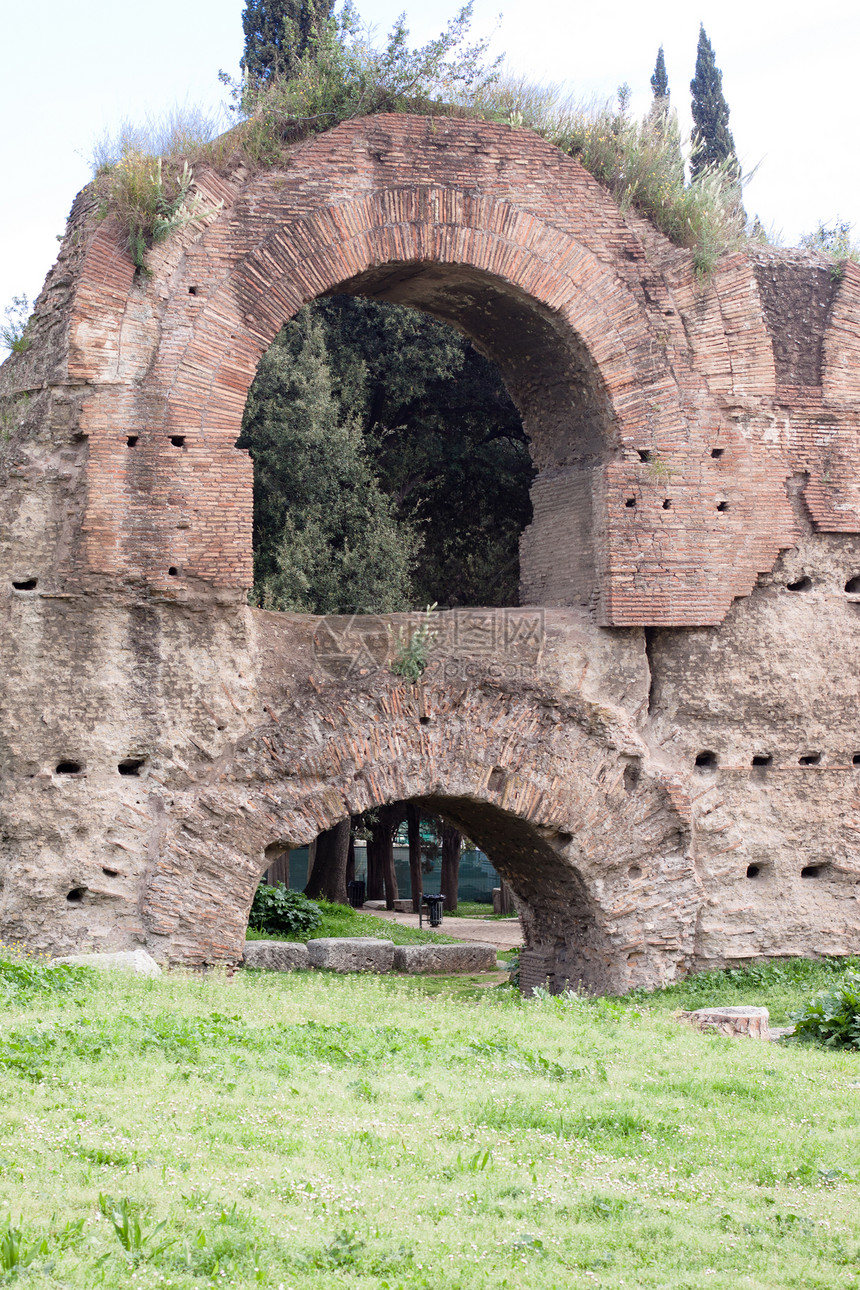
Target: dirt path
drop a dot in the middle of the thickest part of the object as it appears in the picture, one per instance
(505, 934)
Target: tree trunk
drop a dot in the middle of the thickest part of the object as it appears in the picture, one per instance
(350, 859)
(375, 888)
(506, 898)
(413, 824)
(328, 878)
(278, 860)
(451, 841)
(389, 818)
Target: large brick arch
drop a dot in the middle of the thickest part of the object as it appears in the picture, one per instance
(558, 794)
(658, 799)
(626, 372)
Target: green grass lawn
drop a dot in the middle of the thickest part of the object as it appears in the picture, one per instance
(309, 1130)
(472, 909)
(343, 920)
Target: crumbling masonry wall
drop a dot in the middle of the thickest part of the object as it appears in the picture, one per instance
(661, 749)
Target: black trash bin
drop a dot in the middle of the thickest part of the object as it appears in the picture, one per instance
(355, 893)
(434, 908)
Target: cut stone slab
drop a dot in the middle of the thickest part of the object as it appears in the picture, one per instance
(374, 904)
(277, 956)
(780, 1032)
(351, 954)
(417, 959)
(749, 1023)
(123, 960)
(402, 906)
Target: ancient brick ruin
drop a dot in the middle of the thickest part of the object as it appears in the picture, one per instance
(660, 749)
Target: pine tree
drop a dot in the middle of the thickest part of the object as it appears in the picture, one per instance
(278, 33)
(660, 81)
(712, 139)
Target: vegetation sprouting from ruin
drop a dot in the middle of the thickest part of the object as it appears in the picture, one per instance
(833, 240)
(341, 74)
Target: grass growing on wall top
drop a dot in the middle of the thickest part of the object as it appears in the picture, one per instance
(344, 75)
(308, 1131)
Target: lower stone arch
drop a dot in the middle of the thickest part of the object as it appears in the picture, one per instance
(538, 783)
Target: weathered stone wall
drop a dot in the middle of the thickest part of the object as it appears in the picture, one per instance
(691, 561)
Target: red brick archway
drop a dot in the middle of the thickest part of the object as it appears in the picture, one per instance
(648, 502)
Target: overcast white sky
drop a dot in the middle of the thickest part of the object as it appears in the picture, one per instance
(69, 71)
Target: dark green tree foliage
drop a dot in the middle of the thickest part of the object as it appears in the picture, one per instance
(276, 909)
(661, 117)
(660, 81)
(383, 443)
(712, 139)
(326, 537)
(447, 444)
(277, 35)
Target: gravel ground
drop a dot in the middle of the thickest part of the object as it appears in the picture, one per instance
(505, 934)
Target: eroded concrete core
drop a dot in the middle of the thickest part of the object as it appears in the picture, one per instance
(660, 750)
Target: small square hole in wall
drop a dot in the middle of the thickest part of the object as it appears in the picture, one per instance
(855, 760)
(131, 441)
(25, 584)
(110, 873)
(630, 503)
(716, 453)
(753, 871)
(193, 291)
(706, 761)
(644, 454)
(173, 572)
(178, 440)
(131, 765)
(802, 584)
(762, 759)
(76, 895)
(667, 505)
(497, 779)
(722, 506)
(809, 759)
(68, 768)
(634, 872)
(852, 586)
(812, 871)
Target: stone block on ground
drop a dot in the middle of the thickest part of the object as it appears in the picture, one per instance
(123, 961)
(473, 957)
(276, 956)
(745, 1022)
(351, 954)
(403, 906)
(374, 904)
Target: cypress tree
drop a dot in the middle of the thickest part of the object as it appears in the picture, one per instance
(660, 81)
(712, 139)
(660, 117)
(278, 33)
